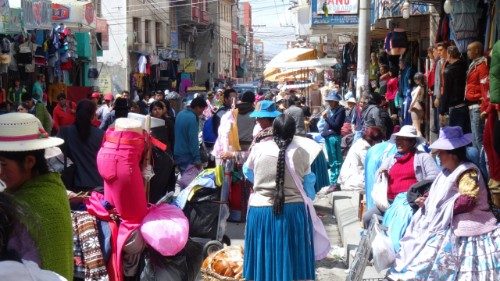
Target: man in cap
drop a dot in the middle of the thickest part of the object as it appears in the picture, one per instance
(38, 109)
(104, 109)
(334, 118)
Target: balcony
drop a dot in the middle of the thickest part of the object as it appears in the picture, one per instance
(195, 13)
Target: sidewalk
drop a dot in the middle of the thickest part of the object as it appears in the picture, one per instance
(345, 209)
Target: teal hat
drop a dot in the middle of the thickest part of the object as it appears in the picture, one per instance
(265, 109)
(333, 96)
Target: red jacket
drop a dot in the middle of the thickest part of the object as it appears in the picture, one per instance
(62, 117)
(477, 77)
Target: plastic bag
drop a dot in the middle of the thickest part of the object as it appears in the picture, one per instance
(184, 266)
(165, 228)
(202, 211)
(379, 192)
(383, 252)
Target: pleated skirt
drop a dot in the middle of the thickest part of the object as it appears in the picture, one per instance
(447, 257)
(320, 168)
(279, 247)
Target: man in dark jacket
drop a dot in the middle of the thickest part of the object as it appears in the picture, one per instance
(244, 121)
(334, 120)
(452, 98)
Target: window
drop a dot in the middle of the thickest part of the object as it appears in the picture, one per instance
(97, 6)
(158, 33)
(147, 31)
(135, 28)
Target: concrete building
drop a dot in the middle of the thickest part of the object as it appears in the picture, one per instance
(136, 28)
(247, 55)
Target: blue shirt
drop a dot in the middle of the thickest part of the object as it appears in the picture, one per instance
(186, 136)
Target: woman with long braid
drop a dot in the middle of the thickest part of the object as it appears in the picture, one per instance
(279, 236)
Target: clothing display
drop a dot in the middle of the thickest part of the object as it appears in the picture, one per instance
(464, 19)
(118, 162)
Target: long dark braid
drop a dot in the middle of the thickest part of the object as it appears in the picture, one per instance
(283, 132)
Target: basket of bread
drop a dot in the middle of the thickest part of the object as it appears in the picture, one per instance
(224, 265)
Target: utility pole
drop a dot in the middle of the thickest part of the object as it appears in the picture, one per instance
(363, 47)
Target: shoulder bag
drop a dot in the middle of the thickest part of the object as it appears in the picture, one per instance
(322, 244)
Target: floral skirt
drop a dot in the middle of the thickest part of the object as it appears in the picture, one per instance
(279, 247)
(448, 257)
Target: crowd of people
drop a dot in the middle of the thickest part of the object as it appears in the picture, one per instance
(433, 194)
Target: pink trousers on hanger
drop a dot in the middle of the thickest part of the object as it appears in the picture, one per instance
(118, 162)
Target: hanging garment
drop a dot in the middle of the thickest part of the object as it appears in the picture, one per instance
(142, 62)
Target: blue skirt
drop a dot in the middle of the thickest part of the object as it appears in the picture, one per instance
(279, 248)
(320, 168)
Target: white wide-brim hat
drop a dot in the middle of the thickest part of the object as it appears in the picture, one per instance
(24, 132)
(407, 131)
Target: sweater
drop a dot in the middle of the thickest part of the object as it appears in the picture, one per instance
(45, 199)
(186, 136)
(263, 161)
(401, 175)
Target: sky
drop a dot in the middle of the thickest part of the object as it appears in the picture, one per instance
(278, 21)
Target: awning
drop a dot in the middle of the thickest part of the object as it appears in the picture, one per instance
(74, 14)
(289, 55)
(287, 75)
(296, 86)
(308, 64)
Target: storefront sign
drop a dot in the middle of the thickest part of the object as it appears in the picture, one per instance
(102, 27)
(336, 7)
(174, 40)
(188, 65)
(168, 54)
(10, 21)
(74, 14)
(37, 14)
(104, 83)
(390, 9)
(344, 12)
(60, 12)
(335, 20)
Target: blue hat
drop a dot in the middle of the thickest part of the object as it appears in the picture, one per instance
(265, 109)
(333, 96)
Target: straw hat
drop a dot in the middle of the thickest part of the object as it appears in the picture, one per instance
(24, 132)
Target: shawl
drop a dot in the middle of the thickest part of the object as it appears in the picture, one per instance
(45, 199)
